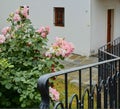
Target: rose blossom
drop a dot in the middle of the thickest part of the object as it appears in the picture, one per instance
(2, 39)
(40, 30)
(17, 11)
(61, 48)
(25, 11)
(43, 31)
(43, 34)
(16, 17)
(47, 28)
(5, 30)
(54, 94)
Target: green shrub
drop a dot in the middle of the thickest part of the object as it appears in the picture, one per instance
(23, 60)
(24, 57)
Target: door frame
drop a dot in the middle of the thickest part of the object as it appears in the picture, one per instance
(110, 24)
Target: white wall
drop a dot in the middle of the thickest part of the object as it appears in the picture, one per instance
(39, 11)
(77, 19)
(85, 22)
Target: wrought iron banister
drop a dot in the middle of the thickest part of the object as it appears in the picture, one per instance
(43, 83)
(110, 50)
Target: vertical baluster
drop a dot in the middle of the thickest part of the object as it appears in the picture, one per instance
(105, 90)
(99, 67)
(111, 94)
(105, 96)
(115, 90)
(90, 98)
(119, 93)
(113, 47)
(80, 88)
(116, 84)
(66, 91)
(98, 98)
(119, 84)
(117, 49)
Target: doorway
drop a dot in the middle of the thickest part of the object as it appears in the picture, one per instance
(110, 24)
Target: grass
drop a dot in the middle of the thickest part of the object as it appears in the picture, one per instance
(72, 89)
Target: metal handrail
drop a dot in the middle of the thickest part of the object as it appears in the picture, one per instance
(70, 70)
(43, 80)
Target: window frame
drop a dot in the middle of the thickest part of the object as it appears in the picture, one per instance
(59, 16)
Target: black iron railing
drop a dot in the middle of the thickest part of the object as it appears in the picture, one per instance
(109, 51)
(105, 93)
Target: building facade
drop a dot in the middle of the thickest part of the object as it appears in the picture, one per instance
(88, 24)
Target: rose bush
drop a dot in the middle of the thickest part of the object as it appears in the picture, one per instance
(24, 56)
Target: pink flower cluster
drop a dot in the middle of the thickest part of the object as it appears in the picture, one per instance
(60, 48)
(22, 12)
(5, 30)
(54, 94)
(2, 39)
(25, 11)
(16, 17)
(43, 31)
(5, 33)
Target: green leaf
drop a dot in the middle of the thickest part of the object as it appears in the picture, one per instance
(31, 96)
(19, 90)
(22, 79)
(61, 66)
(8, 86)
(0, 94)
(23, 105)
(17, 79)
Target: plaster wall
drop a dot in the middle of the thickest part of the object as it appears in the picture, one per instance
(77, 19)
(85, 21)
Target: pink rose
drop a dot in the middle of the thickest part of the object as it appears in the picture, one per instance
(17, 11)
(54, 94)
(43, 31)
(5, 30)
(25, 12)
(47, 28)
(43, 34)
(40, 30)
(62, 47)
(2, 39)
(16, 17)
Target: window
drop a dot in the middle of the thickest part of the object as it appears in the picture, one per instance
(59, 16)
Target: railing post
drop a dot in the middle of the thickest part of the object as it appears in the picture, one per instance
(44, 92)
(91, 85)
(115, 91)
(105, 96)
(111, 93)
(119, 91)
(80, 88)
(105, 85)
(100, 66)
(119, 85)
(66, 91)
(98, 98)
